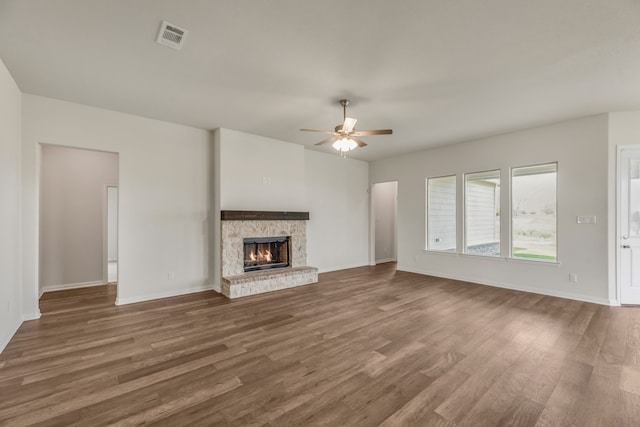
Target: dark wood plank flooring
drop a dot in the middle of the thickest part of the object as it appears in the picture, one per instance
(364, 347)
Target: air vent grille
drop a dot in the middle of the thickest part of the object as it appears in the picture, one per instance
(172, 35)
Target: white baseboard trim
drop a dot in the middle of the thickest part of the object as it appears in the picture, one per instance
(4, 340)
(559, 294)
(52, 288)
(382, 261)
(41, 293)
(342, 267)
(160, 295)
(31, 316)
(216, 287)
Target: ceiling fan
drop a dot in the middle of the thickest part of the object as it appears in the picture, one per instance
(345, 136)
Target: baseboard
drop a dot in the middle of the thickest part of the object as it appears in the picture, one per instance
(31, 316)
(4, 340)
(63, 287)
(559, 294)
(41, 293)
(160, 295)
(342, 267)
(382, 261)
(216, 287)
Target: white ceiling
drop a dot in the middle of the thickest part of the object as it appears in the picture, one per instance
(436, 71)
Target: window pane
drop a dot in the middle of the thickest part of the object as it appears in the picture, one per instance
(533, 212)
(482, 213)
(441, 215)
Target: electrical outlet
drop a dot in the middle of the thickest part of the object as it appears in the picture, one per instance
(573, 277)
(586, 219)
(170, 275)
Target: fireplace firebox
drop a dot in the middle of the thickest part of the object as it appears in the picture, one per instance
(261, 253)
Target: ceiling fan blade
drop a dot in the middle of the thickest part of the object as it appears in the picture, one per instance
(372, 132)
(358, 141)
(328, 140)
(349, 124)
(330, 132)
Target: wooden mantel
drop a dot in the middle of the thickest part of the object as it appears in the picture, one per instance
(263, 216)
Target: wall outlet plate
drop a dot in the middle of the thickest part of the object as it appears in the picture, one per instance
(586, 219)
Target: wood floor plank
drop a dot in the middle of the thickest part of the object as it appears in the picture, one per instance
(365, 346)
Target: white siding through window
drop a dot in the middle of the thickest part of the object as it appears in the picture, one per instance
(441, 217)
(482, 226)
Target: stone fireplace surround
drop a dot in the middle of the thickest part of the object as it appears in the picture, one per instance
(238, 225)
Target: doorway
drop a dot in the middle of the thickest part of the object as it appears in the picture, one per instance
(112, 234)
(75, 233)
(628, 239)
(385, 208)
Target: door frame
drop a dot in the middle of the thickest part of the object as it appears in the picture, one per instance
(618, 218)
(372, 222)
(105, 228)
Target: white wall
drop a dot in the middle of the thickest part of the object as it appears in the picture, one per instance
(384, 205)
(581, 149)
(337, 198)
(259, 173)
(164, 195)
(72, 201)
(10, 271)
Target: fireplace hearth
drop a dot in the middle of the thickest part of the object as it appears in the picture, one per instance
(263, 253)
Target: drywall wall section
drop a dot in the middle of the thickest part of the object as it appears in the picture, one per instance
(10, 274)
(163, 195)
(337, 197)
(258, 173)
(581, 149)
(384, 206)
(73, 192)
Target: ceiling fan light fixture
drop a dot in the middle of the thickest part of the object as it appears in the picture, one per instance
(345, 137)
(345, 144)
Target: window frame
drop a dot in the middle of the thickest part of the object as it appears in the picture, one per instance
(427, 215)
(465, 232)
(511, 199)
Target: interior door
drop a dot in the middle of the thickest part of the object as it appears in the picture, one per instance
(629, 238)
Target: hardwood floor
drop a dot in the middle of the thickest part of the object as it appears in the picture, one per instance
(367, 346)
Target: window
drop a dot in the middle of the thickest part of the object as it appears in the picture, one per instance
(482, 213)
(534, 212)
(441, 213)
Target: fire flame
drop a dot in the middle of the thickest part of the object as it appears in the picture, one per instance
(262, 256)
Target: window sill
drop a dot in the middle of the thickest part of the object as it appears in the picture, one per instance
(433, 251)
(537, 262)
(495, 258)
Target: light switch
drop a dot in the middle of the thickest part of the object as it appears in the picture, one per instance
(586, 219)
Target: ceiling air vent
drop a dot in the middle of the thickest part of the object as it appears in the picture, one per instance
(171, 35)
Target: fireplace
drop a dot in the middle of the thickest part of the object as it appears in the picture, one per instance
(262, 253)
(276, 239)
